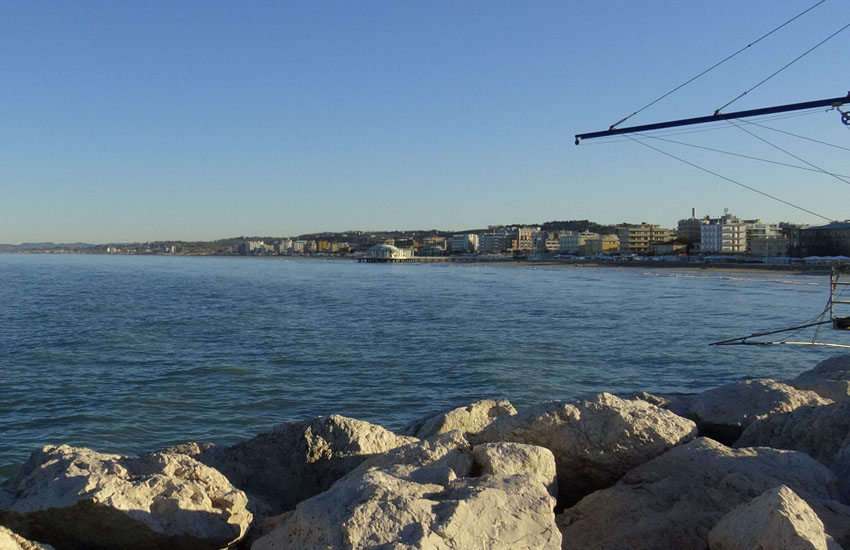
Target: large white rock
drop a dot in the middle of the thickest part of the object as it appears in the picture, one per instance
(674, 500)
(505, 458)
(405, 507)
(823, 432)
(829, 379)
(777, 519)
(449, 450)
(470, 419)
(78, 498)
(13, 541)
(297, 460)
(722, 413)
(594, 441)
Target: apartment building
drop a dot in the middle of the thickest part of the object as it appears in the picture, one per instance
(726, 235)
(464, 243)
(638, 239)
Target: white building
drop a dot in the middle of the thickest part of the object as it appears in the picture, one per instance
(727, 235)
(388, 252)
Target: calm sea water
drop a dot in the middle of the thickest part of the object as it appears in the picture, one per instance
(128, 354)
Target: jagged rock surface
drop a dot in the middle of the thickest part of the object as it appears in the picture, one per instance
(830, 378)
(777, 518)
(297, 460)
(405, 507)
(674, 500)
(822, 432)
(12, 541)
(595, 441)
(77, 498)
(723, 413)
(517, 458)
(470, 419)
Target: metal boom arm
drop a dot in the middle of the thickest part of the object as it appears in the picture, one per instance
(834, 102)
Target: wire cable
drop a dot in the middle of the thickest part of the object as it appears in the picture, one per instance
(680, 86)
(748, 157)
(801, 56)
(817, 168)
(796, 135)
(730, 180)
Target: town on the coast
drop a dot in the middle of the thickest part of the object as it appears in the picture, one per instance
(725, 238)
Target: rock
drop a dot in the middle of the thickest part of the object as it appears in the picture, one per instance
(13, 541)
(778, 519)
(470, 419)
(723, 413)
(79, 499)
(297, 460)
(830, 378)
(449, 451)
(818, 431)
(596, 441)
(517, 458)
(678, 403)
(673, 501)
(823, 432)
(424, 508)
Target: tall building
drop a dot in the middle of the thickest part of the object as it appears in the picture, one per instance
(727, 235)
(689, 231)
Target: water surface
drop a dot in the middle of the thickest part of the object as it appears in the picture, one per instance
(132, 353)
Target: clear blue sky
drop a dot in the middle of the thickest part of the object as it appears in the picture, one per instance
(134, 121)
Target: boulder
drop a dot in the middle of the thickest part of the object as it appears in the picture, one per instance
(297, 460)
(678, 403)
(449, 450)
(77, 498)
(12, 541)
(595, 441)
(470, 419)
(406, 507)
(516, 458)
(778, 518)
(673, 501)
(830, 378)
(723, 413)
(823, 432)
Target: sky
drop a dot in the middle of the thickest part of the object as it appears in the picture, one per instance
(181, 120)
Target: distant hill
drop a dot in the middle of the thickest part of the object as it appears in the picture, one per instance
(23, 247)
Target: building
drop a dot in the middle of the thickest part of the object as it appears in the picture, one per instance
(689, 231)
(524, 238)
(388, 252)
(769, 247)
(545, 241)
(251, 247)
(638, 239)
(574, 241)
(602, 244)
(825, 240)
(464, 243)
(726, 235)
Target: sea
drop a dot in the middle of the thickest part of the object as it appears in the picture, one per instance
(127, 354)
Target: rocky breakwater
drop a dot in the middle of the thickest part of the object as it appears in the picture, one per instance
(753, 464)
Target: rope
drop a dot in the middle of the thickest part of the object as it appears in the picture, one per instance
(753, 189)
(795, 135)
(816, 168)
(680, 86)
(810, 50)
(768, 161)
